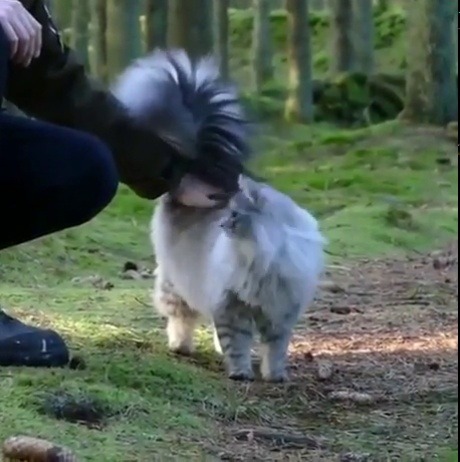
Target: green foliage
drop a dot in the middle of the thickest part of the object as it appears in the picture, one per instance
(241, 22)
(390, 26)
(349, 99)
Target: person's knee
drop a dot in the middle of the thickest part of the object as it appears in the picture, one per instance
(4, 57)
(98, 178)
(4, 46)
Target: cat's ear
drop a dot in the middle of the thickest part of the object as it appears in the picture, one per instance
(259, 196)
(252, 190)
(243, 184)
(245, 188)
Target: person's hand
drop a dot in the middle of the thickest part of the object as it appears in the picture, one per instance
(22, 30)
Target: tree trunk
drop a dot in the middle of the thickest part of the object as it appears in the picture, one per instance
(156, 23)
(221, 37)
(50, 4)
(343, 51)
(80, 30)
(299, 105)
(123, 34)
(190, 26)
(364, 22)
(431, 87)
(317, 5)
(62, 11)
(262, 45)
(204, 31)
(98, 47)
(455, 32)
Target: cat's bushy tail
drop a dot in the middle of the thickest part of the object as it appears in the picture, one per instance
(189, 105)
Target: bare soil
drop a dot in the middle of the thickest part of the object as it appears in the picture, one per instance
(387, 329)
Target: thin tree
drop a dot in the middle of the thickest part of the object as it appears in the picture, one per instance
(262, 49)
(62, 11)
(343, 56)
(80, 30)
(455, 32)
(156, 22)
(204, 31)
(221, 35)
(98, 28)
(299, 104)
(431, 87)
(123, 34)
(190, 26)
(317, 5)
(363, 13)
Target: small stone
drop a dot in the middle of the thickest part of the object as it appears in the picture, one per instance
(325, 370)
(131, 275)
(146, 274)
(354, 457)
(341, 310)
(331, 286)
(352, 396)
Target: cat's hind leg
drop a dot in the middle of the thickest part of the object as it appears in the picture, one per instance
(275, 338)
(234, 330)
(181, 320)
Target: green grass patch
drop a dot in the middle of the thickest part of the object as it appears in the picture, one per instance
(149, 402)
(374, 192)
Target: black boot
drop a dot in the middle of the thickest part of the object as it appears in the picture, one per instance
(23, 345)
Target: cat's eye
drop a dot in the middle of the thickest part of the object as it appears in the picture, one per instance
(234, 215)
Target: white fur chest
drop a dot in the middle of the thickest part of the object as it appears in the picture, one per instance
(195, 258)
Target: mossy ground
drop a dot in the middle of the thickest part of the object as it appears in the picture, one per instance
(380, 192)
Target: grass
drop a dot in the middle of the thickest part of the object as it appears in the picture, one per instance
(366, 185)
(376, 194)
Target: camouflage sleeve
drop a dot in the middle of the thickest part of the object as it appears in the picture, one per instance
(56, 88)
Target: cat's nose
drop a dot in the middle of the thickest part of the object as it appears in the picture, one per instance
(228, 223)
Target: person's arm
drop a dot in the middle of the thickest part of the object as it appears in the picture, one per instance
(56, 88)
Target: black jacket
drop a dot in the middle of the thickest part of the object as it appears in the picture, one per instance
(56, 88)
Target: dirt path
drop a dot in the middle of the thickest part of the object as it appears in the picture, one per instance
(387, 329)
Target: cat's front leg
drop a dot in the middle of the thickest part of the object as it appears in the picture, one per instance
(234, 328)
(275, 338)
(217, 345)
(181, 320)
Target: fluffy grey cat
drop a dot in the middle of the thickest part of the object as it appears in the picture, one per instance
(248, 264)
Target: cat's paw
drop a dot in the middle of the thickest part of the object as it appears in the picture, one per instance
(241, 376)
(275, 377)
(182, 349)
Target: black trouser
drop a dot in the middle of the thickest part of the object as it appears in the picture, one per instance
(51, 178)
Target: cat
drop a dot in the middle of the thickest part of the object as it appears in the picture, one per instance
(253, 266)
(248, 261)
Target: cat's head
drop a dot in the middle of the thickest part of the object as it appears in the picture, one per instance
(246, 211)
